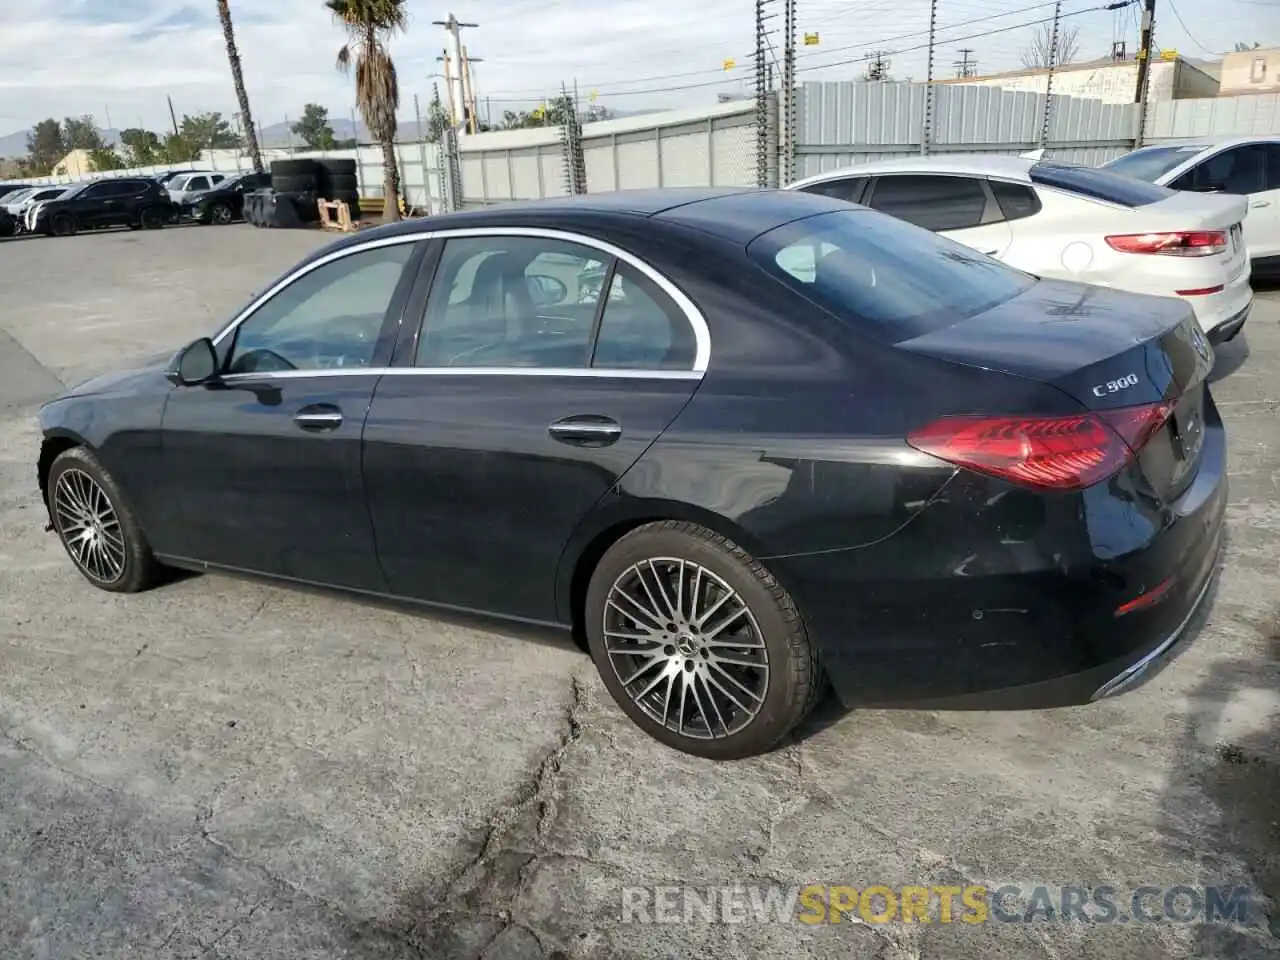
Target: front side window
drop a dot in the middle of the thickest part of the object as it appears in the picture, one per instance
(510, 302)
(328, 318)
(198, 183)
(1241, 170)
(884, 276)
(932, 202)
(178, 183)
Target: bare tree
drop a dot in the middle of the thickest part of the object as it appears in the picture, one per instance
(1036, 54)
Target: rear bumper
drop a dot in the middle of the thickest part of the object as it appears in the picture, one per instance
(994, 598)
(1228, 329)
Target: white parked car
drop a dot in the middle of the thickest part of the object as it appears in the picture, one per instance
(18, 203)
(187, 183)
(1069, 222)
(1244, 166)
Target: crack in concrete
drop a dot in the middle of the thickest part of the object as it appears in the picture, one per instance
(204, 818)
(501, 838)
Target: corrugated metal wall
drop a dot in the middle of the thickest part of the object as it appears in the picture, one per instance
(842, 124)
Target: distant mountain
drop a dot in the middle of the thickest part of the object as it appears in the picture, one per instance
(14, 145)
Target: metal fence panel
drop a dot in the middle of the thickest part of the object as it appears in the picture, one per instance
(847, 123)
(1242, 116)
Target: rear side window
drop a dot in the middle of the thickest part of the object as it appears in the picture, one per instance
(1016, 200)
(1151, 163)
(932, 202)
(849, 189)
(1099, 184)
(882, 275)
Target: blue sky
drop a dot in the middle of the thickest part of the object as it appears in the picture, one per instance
(69, 57)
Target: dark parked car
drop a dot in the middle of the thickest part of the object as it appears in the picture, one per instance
(808, 442)
(135, 202)
(7, 189)
(224, 203)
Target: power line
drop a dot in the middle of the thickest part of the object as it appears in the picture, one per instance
(1187, 30)
(534, 95)
(512, 95)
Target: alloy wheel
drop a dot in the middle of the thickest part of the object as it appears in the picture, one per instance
(221, 214)
(686, 648)
(89, 526)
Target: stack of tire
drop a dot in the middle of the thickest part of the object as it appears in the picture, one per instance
(338, 181)
(299, 184)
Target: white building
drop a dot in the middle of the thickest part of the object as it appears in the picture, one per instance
(1108, 80)
(1251, 71)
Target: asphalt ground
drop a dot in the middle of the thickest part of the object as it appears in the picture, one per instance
(227, 768)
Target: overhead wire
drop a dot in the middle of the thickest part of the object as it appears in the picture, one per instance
(603, 89)
(1187, 30)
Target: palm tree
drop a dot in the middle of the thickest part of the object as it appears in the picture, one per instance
(237, 77)
(370, 24)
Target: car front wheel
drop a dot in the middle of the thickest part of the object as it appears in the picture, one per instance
(99, 532)
(698, 643)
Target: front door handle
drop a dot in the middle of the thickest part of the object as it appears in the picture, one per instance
(1260, 203)
(318, 416)
(586, 431)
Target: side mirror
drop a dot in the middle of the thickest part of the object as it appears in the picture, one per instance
(545, 291)
(195, 363)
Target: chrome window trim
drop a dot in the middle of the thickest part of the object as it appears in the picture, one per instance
(701, 332)
(593, 372)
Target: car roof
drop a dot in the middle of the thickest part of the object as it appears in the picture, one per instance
(959, 164)
(737, 214)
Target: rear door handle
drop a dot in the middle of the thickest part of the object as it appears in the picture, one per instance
(1260, 203)
(318, 416)
(587, 430)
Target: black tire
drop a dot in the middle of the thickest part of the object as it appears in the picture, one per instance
(336, 184)
(295, 184)
(138, 569)
(220, 214)
(63, 225)
(787, 690)
(295, 168)
(7, 228)
(153, 218)
(339, 167)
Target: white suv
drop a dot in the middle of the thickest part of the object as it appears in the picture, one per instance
(186, 183)
(1245, 166)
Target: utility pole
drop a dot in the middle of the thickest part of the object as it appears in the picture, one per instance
(926, 128)
(966, 66)
(1053, 63)
(787, 173)
(457, 92)
(173, 117)
(878, 65)
(1144, 67)
(469, 92)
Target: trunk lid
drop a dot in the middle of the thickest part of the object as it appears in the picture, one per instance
(1106, 349)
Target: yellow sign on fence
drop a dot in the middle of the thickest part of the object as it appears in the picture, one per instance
(810, 39)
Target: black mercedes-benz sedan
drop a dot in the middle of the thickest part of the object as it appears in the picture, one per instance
(745, 443)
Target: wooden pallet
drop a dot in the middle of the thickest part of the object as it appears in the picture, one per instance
(335, 215)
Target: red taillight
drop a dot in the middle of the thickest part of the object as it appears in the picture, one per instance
(1182, 243)
(1048, 453)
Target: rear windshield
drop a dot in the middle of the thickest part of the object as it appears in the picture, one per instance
(871, 269)
(1099, 184)
(1151, 163)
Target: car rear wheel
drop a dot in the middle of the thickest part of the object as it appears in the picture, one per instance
(698, 643)
(152, 218)
(63, 225)
(220, 214)
(96, 527)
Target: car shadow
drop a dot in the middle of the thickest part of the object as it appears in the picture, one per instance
(1221, 805)
(1230, 356)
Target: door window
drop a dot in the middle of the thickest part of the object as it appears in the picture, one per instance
(198, 183)
(178, 183)
(641, 329)
(1273, 166)
(328, 318)
(216, 179)
(932, 202)
(849, 189)
(511, 302)
(99, 191)
(1241, 170)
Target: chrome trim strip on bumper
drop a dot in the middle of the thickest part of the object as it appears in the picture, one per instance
(1121, 681)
